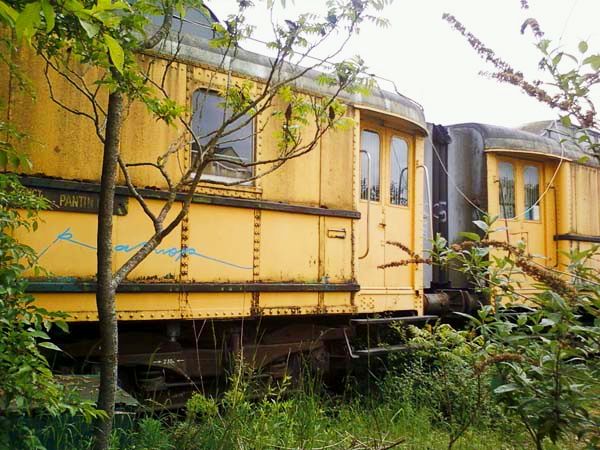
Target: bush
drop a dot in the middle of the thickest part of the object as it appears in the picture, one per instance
(442, 375)
(540, 349)
(27, 383)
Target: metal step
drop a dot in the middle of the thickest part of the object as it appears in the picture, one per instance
(374, 351)
(383, 350)
(385, 320)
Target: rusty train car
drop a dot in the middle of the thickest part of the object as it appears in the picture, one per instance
(277, 267)
(539, 185)
(285, 268)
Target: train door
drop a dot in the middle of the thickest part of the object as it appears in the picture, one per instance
(397, 208)
(371, 240)
(385, 205)
(529, 219)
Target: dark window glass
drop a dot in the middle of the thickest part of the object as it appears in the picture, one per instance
(531, 185)
(399, 172)
(506, 172)
(236, 147)
(370, 143)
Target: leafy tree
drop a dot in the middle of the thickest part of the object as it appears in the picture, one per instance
(109, 36)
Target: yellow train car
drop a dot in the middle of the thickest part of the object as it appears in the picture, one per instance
(538, 184)
(277, 267)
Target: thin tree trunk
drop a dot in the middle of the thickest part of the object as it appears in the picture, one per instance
(105, 294)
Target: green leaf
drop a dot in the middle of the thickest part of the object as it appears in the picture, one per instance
(115, 50)
(8, 13)
(181, 9)
(50, 345)
(557, 59)
(545, 322)
(49, 15)
(543, 46)
(594, 61)
(91, 29)
(566, 121)
(62, 325)
(27, 21)
(481, 225)
(583, 46)
(39, 334)
(506, 388)
(470, 236)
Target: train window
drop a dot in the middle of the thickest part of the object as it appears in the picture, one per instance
(233, 149)
(506, 172)
(399, 172)
(531, 186)
(370, 143)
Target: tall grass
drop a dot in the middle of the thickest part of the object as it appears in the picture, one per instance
(408, 404)
(400, 411)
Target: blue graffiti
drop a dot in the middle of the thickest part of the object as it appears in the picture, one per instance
(172, 252)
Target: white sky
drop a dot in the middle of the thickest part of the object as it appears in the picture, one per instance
(434, 65)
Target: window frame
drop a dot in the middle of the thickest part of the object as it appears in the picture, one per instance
(523, 166)
(218, 178)
(380, 133)
(516, 191)
(409, 165)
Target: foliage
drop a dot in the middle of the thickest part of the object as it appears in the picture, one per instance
(285, 418)
(27, 383)
(541, 347)
(443, 373)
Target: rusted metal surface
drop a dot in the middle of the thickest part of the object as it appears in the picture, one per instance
(83, 188)
(87, 386)
(504, 138)
(75, 286)
(389, 320)
(255, 66)
(448, 301)
(158, 359)
(79, 201)
(577, 238)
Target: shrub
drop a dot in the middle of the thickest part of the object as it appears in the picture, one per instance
(541, 348)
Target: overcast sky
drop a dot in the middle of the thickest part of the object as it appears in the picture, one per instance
(434, 65)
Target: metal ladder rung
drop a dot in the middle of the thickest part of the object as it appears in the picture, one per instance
(384, 320)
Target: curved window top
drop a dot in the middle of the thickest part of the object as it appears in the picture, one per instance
(234, 147)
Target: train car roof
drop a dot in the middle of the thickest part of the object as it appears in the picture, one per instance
(195, 47)
(514, 139)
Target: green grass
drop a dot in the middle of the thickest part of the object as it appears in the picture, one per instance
(294, 421)
(312, 422)
(400, 412)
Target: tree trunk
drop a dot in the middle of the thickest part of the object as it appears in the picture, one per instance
(105, 294)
